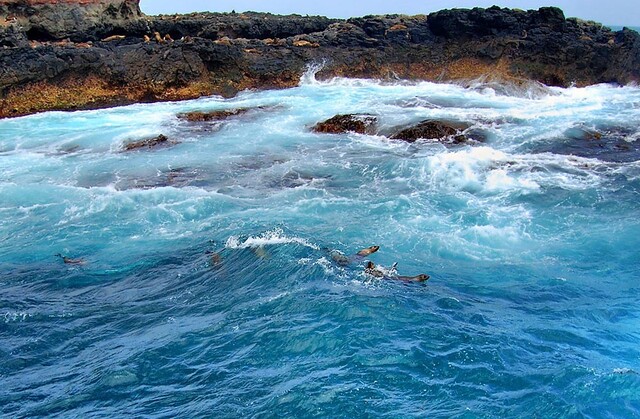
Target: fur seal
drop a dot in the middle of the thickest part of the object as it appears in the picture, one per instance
(416, 278)
(368, 251)
(146, 39)
(158, 38)
(70, 261)
(215, 260)
(372, 270)
(114, 38)
(344, 260)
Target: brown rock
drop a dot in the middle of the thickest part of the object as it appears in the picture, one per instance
(429, 129)
(339, 124)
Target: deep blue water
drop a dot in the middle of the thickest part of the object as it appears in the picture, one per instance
(531, 238)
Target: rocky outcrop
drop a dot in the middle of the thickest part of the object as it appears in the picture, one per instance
(76, 20)
(76, 54)
(339, 124)
(149, 143)
(432, 130)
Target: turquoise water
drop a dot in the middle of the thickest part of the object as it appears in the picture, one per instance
(531, 238)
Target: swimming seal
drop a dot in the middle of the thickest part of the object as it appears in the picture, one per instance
(371, 269)
(70, 261)
(417, 278)
(368, 251)
(344, 260)
(215, 260)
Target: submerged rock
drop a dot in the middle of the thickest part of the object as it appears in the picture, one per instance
(617, 144)
(154, 142)
(581, 132)
(434, 130)
(339, 124)
(209, 116)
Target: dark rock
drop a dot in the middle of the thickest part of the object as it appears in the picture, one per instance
(433, 130)
(584, 133)
(13, 37)
(50, 20)
(605, 143)
(149, 143)
(209, 116)
(339, 124)
(57, 47)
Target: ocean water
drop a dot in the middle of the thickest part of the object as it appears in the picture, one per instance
(531, 238)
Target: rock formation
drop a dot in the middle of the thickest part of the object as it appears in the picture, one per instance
(53, 54)
(76, 20)
(339, 124)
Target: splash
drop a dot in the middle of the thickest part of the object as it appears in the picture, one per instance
(269, 238)
(308, 78)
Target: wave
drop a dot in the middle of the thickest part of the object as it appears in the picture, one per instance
(272, 237)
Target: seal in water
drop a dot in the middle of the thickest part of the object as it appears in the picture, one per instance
(215, 260)
(71, 261)
(417, 278)
(342, 259)
(372, 270)
(368, 251)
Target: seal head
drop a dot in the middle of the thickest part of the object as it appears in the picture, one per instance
(370, 268)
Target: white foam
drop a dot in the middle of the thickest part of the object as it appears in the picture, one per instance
(269, 238)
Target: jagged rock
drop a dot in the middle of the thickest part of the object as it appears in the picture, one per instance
(13, 37)
(220, 53)
(432, 130)
(154, 142)
(339, 124)
(50, 20)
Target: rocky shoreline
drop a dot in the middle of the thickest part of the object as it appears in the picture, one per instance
(83, 54)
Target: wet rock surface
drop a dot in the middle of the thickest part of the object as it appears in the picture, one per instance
(339, 124)
(446, 132)
(95, 53)
(149, 143)
(208, 116)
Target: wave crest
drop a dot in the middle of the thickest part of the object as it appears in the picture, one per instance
(271, 237)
